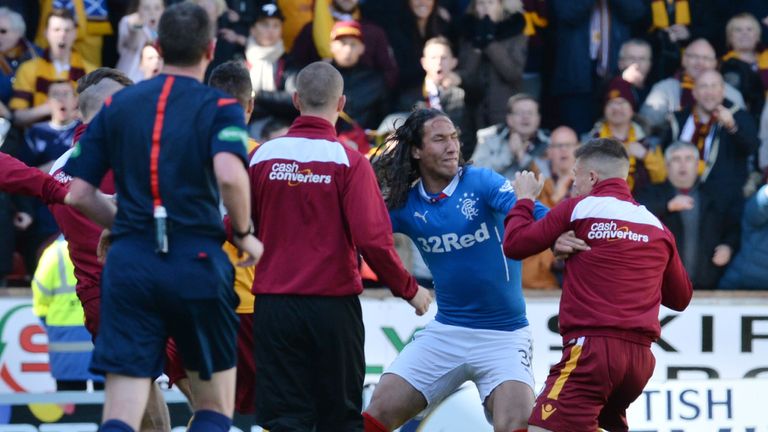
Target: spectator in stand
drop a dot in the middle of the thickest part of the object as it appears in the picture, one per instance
(225, 49)
(705, 225)
(492, 53)
(676, 92)
(417, 22)
(237, 20)
(758, 9)
(583, 62)
(151, 63)
(745, 66)
(674, 24)
(311, 46)
(46, 141)
(14, 50)
(92, 24)
(635, 59)
(724, 133)
(514, 145)
(135, 31)
(536, 29)
(646, 162)
(558, 167)
(298, 13)
(748, 270)
(267, 62)
(30, 13)
(364, 87)
(440, 89)
(30, 89)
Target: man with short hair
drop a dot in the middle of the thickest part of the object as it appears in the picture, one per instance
(609, 311)
(635, 58)
(454, 215)
(177, 148)
(232, 77)
(724, 133)
(515, 145)
(59, 62)
(364, 86)
(317, 206)
(47, 140)
(705, 225)
(676, 93)
(312, 43)
(441, 89)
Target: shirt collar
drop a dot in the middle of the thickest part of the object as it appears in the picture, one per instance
(312, 127)
(615, 187)
(445, 193)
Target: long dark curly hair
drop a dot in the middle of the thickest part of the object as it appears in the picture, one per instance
(395, 167)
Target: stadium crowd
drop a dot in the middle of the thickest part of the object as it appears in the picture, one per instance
(306, 132)
(681, 83)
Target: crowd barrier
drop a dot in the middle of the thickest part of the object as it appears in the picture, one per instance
(711, 367)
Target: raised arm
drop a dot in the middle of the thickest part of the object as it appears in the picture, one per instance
(522, 236)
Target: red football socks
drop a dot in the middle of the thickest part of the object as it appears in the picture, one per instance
(370, 424)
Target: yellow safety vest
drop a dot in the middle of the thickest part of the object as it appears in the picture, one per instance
(53, 288)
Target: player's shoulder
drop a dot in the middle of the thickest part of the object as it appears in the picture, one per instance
(483, 178)
(472, 172)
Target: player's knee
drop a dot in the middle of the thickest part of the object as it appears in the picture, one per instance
(510, 421)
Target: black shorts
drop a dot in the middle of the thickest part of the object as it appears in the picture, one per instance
(146, 297)
(310, 363)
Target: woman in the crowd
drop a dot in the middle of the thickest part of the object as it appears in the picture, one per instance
(745, 66)
(492, 57)
(136, 30)
(419, 22)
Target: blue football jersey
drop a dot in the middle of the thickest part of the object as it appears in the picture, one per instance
(460, 234)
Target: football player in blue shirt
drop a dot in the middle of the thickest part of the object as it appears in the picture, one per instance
(455, 214)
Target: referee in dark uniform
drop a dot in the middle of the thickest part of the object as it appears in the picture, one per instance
(177, 148)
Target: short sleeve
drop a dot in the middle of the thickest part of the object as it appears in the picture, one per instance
(229, 132)
(89, 159)
(501, 194)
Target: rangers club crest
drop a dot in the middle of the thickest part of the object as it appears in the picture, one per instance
(467, 206)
